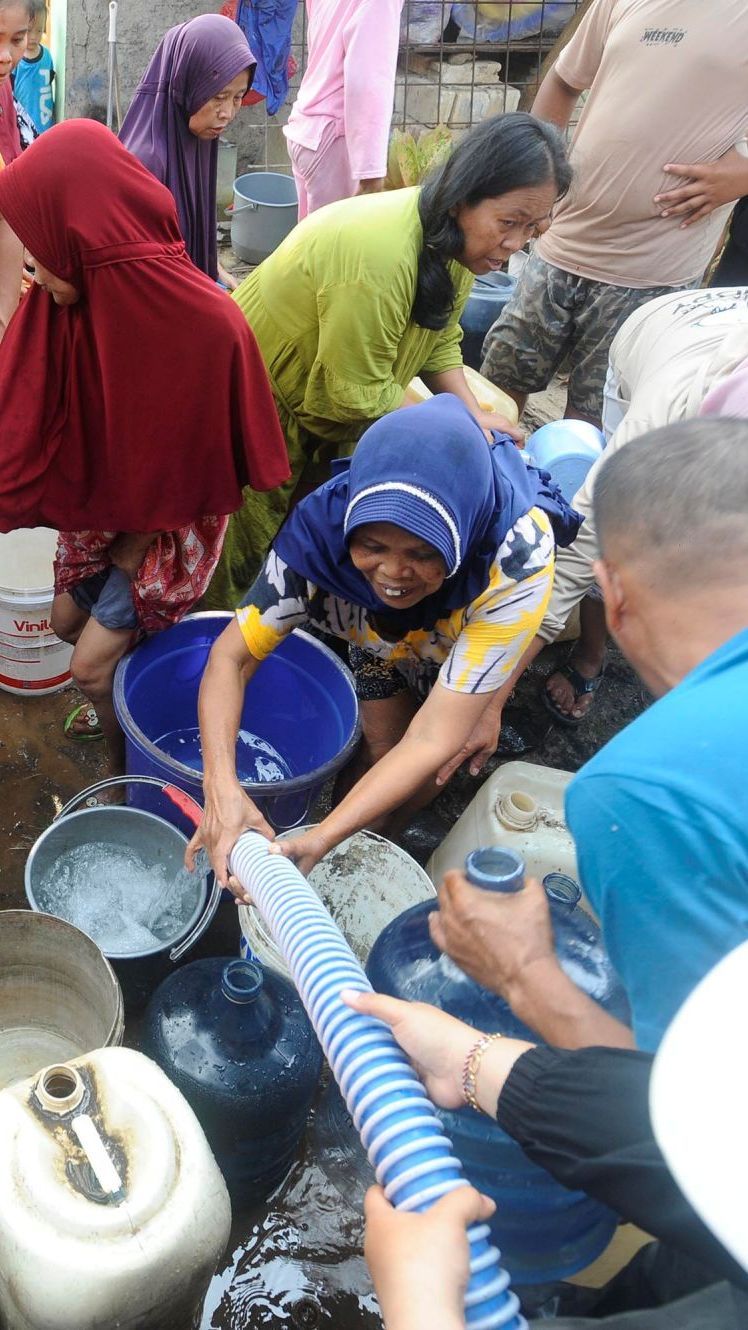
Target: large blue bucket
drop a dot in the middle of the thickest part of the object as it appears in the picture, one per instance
(300, 707)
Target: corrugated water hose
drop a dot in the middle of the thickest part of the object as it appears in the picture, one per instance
(410, 1154)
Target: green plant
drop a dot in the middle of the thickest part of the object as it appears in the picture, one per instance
(410, 159)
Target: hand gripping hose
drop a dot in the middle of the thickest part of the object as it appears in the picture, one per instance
(399, 1130)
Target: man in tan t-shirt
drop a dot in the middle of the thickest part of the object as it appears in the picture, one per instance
(658, 157)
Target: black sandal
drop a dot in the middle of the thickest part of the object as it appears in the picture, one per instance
(582, 688)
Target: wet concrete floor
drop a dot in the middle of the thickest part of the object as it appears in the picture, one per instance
(294, 1262)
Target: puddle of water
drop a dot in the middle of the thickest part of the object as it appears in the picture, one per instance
(295, 1262)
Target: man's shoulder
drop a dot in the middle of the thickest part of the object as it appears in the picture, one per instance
(626, 753)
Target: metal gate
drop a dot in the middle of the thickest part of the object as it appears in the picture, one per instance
(459, 61)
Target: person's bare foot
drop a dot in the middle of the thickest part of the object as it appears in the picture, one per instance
(571, 689)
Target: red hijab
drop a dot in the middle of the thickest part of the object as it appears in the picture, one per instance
(10, 136)
(146, 405)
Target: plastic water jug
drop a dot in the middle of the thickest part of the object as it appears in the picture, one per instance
(485, 303)
(545, 1232)
(112, 1209)
(236, 1040)
(566, 448)
(486, 394)
(520, 806)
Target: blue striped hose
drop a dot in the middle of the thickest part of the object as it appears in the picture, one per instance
(399, 1130)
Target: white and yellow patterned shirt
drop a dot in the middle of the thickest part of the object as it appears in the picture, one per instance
(471, 650)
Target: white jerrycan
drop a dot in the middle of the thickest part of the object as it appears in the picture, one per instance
(520, 806)
(113, 1213)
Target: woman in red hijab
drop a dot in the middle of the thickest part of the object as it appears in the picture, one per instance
(135, 405)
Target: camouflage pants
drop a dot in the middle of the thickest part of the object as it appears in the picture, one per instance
(554, 316)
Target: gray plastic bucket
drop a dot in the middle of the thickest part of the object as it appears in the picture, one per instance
(265, 209)
(59, 997)
(365, 882)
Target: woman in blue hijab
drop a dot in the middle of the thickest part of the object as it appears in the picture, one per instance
(431, 553)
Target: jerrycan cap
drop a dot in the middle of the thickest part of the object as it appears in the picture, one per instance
(59, 1089)
(241, 981)
(495, 868)
(517, 811)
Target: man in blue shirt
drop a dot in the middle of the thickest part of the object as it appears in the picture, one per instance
(660, 814)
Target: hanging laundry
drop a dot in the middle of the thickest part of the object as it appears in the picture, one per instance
(267, 26)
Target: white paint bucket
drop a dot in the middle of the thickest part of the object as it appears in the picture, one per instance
(32, 658)
(365, 882)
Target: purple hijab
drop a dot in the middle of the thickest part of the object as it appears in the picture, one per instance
(191, 63)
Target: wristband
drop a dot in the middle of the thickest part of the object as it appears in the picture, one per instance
(472, 1067)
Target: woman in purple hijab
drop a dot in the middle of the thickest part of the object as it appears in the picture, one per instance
(189, 94)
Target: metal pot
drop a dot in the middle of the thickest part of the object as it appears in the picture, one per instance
(156, 841)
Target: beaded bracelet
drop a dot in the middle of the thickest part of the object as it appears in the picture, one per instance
(472, 1067)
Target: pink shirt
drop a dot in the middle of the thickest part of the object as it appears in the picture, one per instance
(349, 81)
(729, 397)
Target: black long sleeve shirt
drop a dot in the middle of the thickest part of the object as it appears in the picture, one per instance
(583, 1115)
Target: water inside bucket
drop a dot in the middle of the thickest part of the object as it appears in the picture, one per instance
(125, 905)
(256, 759)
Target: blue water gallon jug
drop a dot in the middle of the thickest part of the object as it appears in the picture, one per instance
(237, 1042)
(545, 1231)
(566, 448)
(487, 299)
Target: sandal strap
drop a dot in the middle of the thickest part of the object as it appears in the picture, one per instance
(582, 687)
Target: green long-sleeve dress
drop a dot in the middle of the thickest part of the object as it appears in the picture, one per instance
(330, 309)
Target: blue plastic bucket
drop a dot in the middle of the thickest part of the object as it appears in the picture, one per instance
(566, 448)
(300, 707)
(485, 304)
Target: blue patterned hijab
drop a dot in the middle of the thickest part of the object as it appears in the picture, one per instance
(429, 470)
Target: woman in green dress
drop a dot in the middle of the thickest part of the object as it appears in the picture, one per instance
(366, 294)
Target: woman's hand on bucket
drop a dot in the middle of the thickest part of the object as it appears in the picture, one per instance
(228, 813)
(491, 421)
(305, 851)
